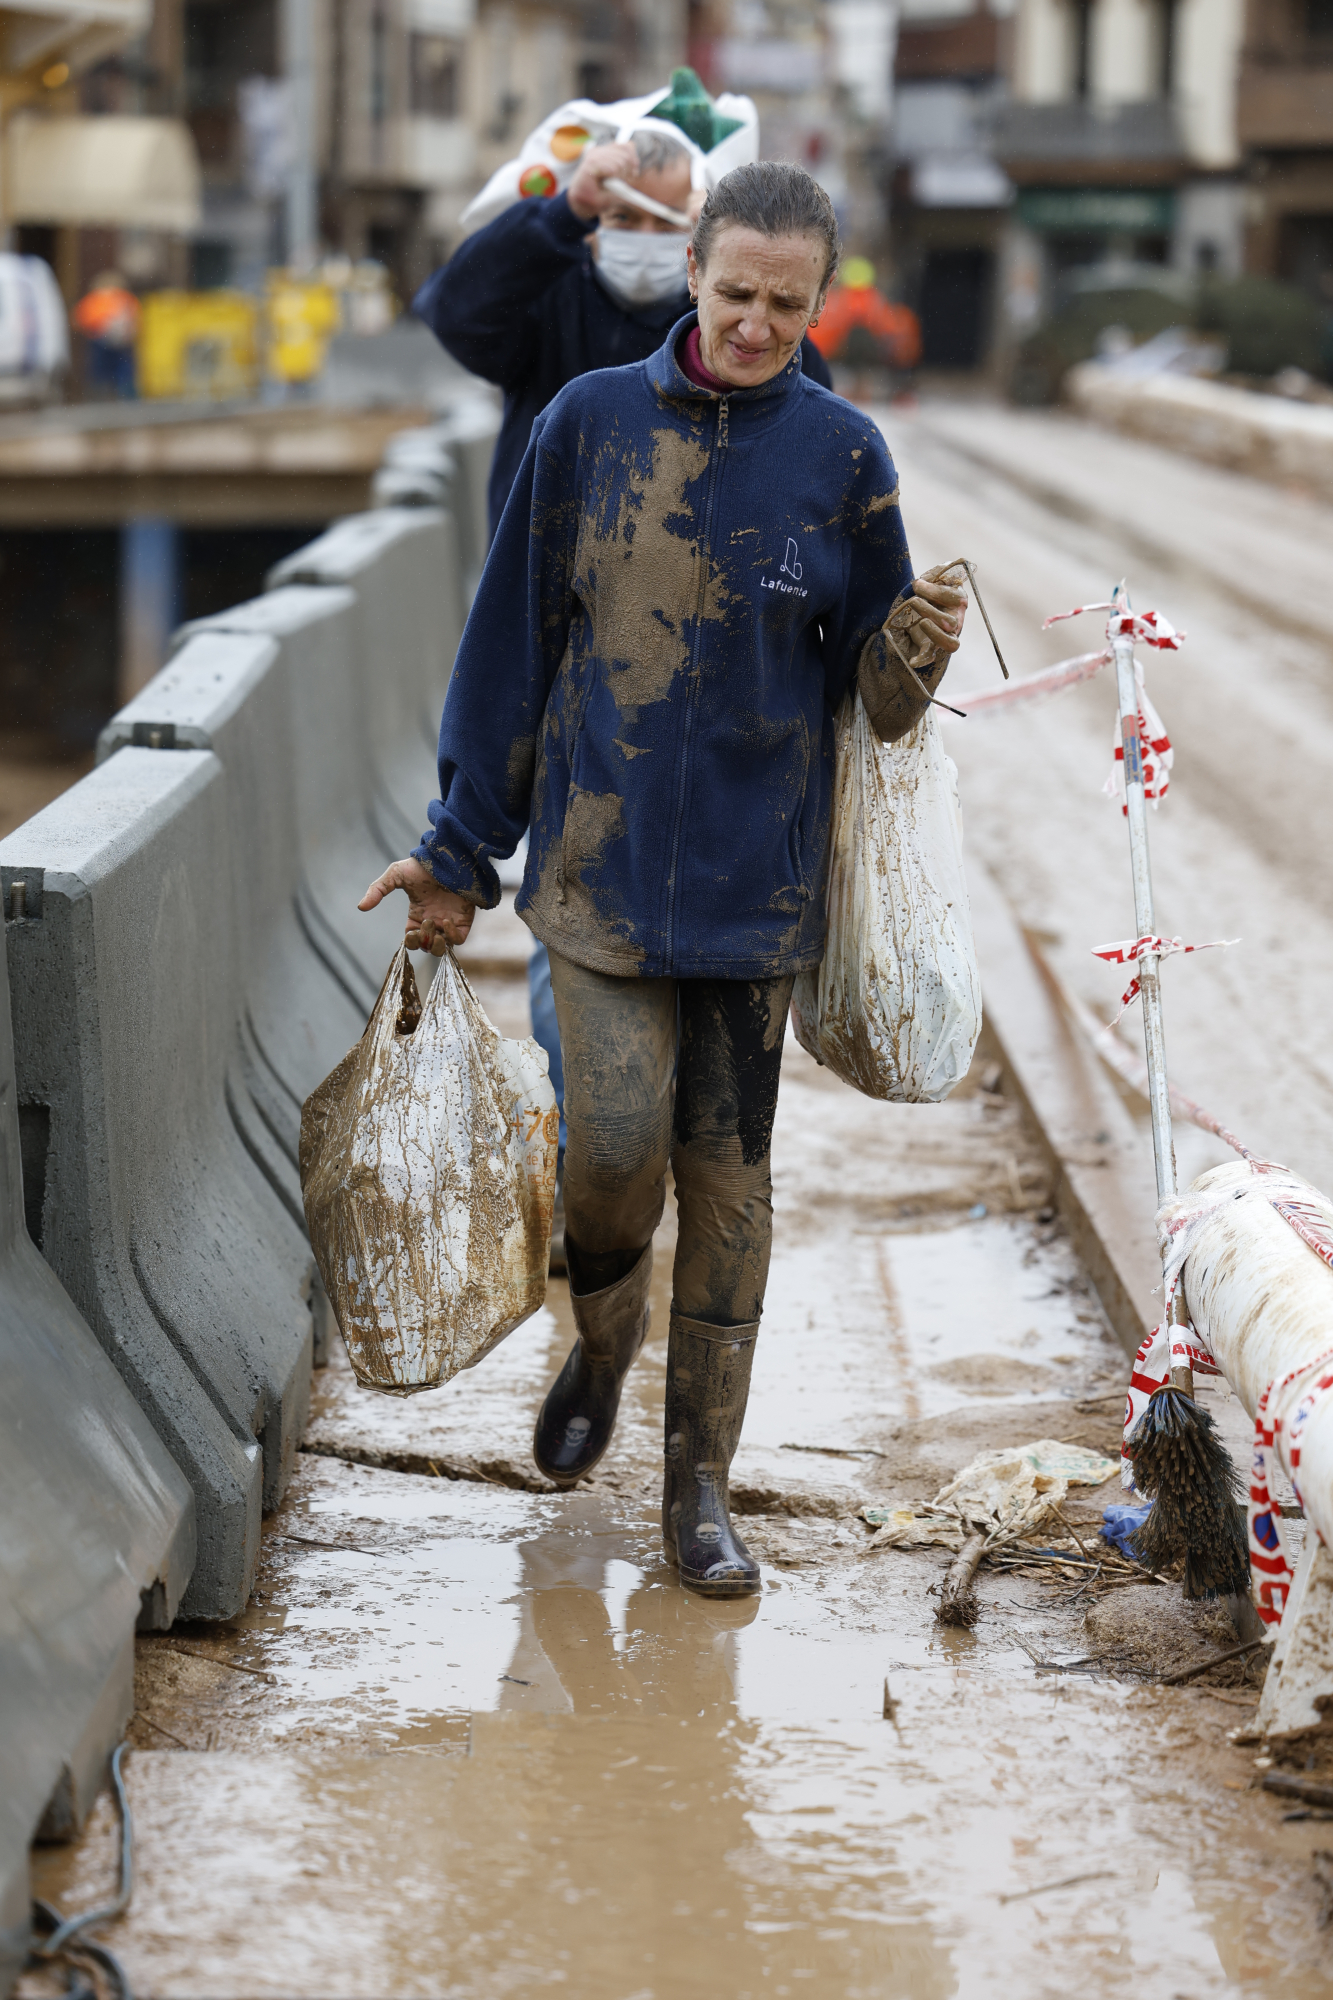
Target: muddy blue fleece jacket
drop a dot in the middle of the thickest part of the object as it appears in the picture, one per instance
(520, 304)
(679, 595)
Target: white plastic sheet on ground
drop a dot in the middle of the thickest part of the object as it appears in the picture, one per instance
(894, 1008)
(1002, 1494)
(428, 1161)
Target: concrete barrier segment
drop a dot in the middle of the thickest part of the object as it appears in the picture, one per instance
(203, 686)
(470, 432)
(401, 565)
(417, 470)
(329, 779)
(127, 990)
(411, 486)
(226, 691)
(467, 434)
(98, 1536)
(1269, 437)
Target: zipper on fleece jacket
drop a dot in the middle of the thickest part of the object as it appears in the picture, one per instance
(692, 700)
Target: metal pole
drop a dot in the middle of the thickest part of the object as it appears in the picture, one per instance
(1149, 966)
(298, 50)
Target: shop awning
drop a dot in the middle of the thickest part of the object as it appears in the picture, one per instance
(117, 173)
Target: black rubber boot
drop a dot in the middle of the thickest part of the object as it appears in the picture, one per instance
(707, 1387)
(559, 1265)
(575, 1423)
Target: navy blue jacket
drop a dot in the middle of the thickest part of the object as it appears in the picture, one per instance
(682, 589)
(518, 304)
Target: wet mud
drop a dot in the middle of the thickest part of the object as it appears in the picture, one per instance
(470, 1738)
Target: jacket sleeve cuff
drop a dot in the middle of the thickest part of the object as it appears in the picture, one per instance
(562, 222)
(471, 876)
(893, 701)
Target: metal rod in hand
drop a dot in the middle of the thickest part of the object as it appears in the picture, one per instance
(976, 592)
(1149, 966)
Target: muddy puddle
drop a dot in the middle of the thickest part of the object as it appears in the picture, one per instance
(471, 1739)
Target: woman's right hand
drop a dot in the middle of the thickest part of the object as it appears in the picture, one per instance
(436, 917)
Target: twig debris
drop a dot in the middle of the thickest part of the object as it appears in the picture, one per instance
(958, 1600)
(1068, 1882)
(1183, 1674)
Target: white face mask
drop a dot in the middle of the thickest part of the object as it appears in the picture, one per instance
(640, 266)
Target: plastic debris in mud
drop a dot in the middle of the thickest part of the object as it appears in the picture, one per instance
(996, 1499)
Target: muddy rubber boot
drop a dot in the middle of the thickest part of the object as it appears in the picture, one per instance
(559, 1266)
(575, 1423)
(708, 1385)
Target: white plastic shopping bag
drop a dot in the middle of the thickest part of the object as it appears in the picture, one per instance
(894, 1008)
(428, 1160)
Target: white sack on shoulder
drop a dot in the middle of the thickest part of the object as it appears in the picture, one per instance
(428, 1161)
(894, 1008)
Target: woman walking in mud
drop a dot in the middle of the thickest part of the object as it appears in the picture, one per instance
(696, 562)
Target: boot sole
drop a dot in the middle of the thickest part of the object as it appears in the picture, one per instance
(729, 1587)
(738, 1586)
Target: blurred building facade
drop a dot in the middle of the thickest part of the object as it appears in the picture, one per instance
(978, 151)
(412, 103)
(391, 112)
(1035, 137)
(1285, 120)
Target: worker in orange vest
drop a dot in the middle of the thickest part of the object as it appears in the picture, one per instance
(861, 329)
(108, 318)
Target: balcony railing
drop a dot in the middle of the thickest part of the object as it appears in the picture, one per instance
(1076, 140)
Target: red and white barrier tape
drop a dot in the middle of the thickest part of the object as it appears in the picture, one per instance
(1270, 1564)
(1065, 673)
(1130, 951)
(1155, 752)
(1148, 628)
(1145, 628)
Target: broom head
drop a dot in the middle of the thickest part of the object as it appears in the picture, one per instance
(1182, 1465)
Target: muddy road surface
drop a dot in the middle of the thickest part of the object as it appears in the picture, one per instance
(1054, 511)
(471, 1740)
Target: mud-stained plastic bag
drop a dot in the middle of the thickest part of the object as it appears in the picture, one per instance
(894, 1008)
(428, 1160)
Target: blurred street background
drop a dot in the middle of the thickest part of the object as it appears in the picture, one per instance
(217, 212)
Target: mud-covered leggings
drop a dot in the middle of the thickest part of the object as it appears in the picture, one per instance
(683, 1071)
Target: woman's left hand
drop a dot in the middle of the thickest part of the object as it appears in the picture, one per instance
(941, 608)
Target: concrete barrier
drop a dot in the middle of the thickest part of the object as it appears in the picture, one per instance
(322, 702)
(336, 847)
(417, 470)
(191, 963)
(450, 459)
(226, 692)
(127, 972)
(1271, 437)
(98, 1534)
(402, 564)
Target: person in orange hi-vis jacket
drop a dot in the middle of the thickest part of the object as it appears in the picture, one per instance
(108, 317)
(861, 329)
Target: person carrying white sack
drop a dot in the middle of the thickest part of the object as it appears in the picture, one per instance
(697, 562)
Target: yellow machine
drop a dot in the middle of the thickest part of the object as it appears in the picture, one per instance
(198, 346)
(303, 315)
